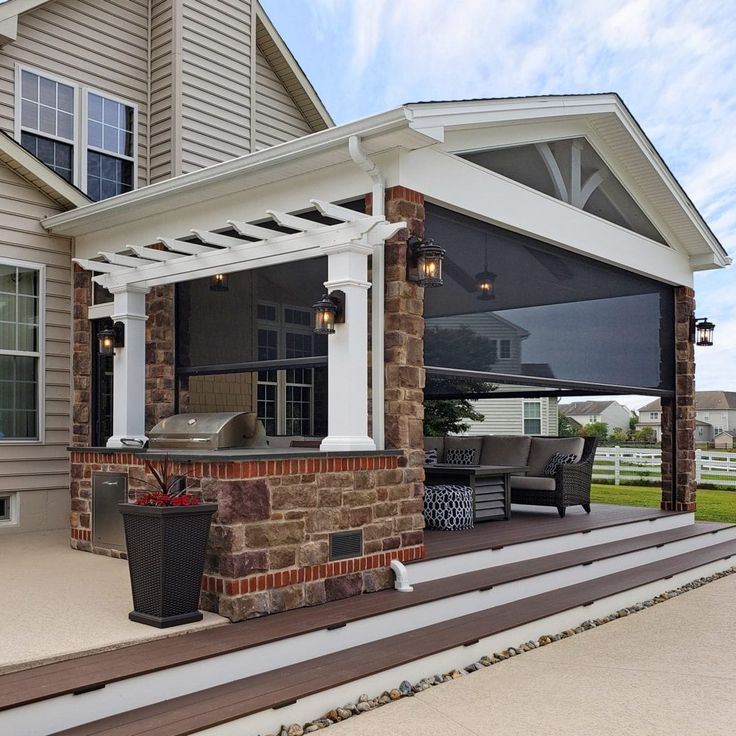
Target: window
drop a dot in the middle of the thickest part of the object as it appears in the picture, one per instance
(92, 146)
(20, 325)
(594, 418)
(505, 349)
(285, 397)
(8, 509)
(654, 415)
(532, 417)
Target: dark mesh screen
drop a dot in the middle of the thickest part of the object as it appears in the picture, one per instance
(556, 315)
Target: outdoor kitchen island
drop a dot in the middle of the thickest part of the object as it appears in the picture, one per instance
(294, 527)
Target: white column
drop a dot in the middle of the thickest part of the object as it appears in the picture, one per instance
(347, 351)
(129, 369)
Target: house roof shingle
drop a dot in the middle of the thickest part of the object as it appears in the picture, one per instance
(577, 408)
(704, 401)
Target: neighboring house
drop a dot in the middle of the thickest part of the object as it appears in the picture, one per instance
(108, 97)
(615, 415)
(503, 415)
(715, 413)
(725, 440)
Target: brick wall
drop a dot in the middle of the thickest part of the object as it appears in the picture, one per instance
(160, 331)
(678, 414)
(269, 541)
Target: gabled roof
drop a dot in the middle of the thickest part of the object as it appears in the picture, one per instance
(578, 408)
(269, 41)
(25, 164)
(423, 125)
(704, 401)
(729, 432)
(287, 69)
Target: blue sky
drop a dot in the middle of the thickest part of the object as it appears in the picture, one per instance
(673, 63)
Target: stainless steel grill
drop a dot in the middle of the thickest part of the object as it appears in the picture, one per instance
(210, 431)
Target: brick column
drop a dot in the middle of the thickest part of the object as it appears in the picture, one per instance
(160, 329)
(678, 414)
(81, 359)
(404, 347)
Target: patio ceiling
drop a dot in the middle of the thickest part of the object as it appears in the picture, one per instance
(173, 259)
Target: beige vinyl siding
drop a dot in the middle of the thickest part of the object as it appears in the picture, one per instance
(215, 81)
(278, 119)
(506, 416)
(41, 470)
(98, 43)
(162, 98)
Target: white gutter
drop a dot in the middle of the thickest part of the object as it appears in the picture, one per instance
(377, 295)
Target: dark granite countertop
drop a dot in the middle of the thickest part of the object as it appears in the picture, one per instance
(234, 454)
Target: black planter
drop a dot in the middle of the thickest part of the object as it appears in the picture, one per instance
(166, 548)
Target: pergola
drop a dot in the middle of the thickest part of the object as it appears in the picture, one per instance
(131, 271)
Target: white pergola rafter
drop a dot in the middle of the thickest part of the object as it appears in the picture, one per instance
(130, 272)
(145, 267)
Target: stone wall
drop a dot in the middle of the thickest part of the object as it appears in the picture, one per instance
(678, 414)
(160, 336)
(81, 359)
(269, 542)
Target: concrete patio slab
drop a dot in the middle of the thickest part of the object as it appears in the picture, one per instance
(58, 603)
(668, 669)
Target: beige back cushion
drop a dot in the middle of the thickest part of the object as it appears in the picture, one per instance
(435, 443)
(465, 443)
(544, 447)
(505, 450)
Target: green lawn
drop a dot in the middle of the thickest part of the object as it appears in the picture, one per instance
(712, 505)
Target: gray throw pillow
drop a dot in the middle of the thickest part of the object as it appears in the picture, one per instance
(461, 456)
(559, 458)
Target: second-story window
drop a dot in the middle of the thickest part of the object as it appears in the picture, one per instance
(110, 139)
(47, 122)
(85, 136)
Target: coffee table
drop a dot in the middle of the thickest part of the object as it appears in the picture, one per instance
(490, 484)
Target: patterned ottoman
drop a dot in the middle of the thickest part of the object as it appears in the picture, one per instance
(448, 507)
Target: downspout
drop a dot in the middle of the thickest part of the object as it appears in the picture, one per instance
(377, 296)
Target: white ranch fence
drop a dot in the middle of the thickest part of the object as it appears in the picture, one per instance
(630, 465)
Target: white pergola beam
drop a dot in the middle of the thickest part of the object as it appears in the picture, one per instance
(294, 222)
(216, 239)
(253, 231)
(182, 246)
(121, 260)
(336, 212)
(153, 254)
(99, 266)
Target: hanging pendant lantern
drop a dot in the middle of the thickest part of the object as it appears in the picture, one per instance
(486, 280)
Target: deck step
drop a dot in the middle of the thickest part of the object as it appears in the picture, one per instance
(284, 687)
(95, 671)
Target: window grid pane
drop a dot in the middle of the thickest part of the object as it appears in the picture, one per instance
(47, 106)
(110, 125)
(55, 154)
(107, 176)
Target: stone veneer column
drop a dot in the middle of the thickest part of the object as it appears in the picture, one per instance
(81, 359)
(160, 332)
(678, 414)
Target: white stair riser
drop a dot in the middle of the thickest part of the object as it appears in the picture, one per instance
(67, 711)
(424, 571)
(314, 706)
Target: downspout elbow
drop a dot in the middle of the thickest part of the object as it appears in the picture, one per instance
(402, 577)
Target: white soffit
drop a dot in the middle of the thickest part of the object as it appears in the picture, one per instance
(609, 122)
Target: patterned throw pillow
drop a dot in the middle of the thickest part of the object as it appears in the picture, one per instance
(430, 457)
(559, 458)
(460, 456)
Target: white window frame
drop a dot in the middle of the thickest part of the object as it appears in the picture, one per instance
(13, 509)
(501, 342)
(281, 327)
(524, 418)
(40, 354)
(79, 142)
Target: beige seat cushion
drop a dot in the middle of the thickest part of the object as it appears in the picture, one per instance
(501, 449)
(544, 447)
(532, 482)
(435, 443)
(463, 443)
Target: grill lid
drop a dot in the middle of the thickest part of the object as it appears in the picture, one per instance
(206, 431)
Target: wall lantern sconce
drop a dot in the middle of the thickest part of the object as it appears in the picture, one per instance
(486, 281)
(329, 311)
(701, 331)
(111, 338)
(424, 261)
(218, 282)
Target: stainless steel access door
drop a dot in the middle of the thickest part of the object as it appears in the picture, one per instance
(108, 490)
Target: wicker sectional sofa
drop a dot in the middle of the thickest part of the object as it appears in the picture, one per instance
(569, 486)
